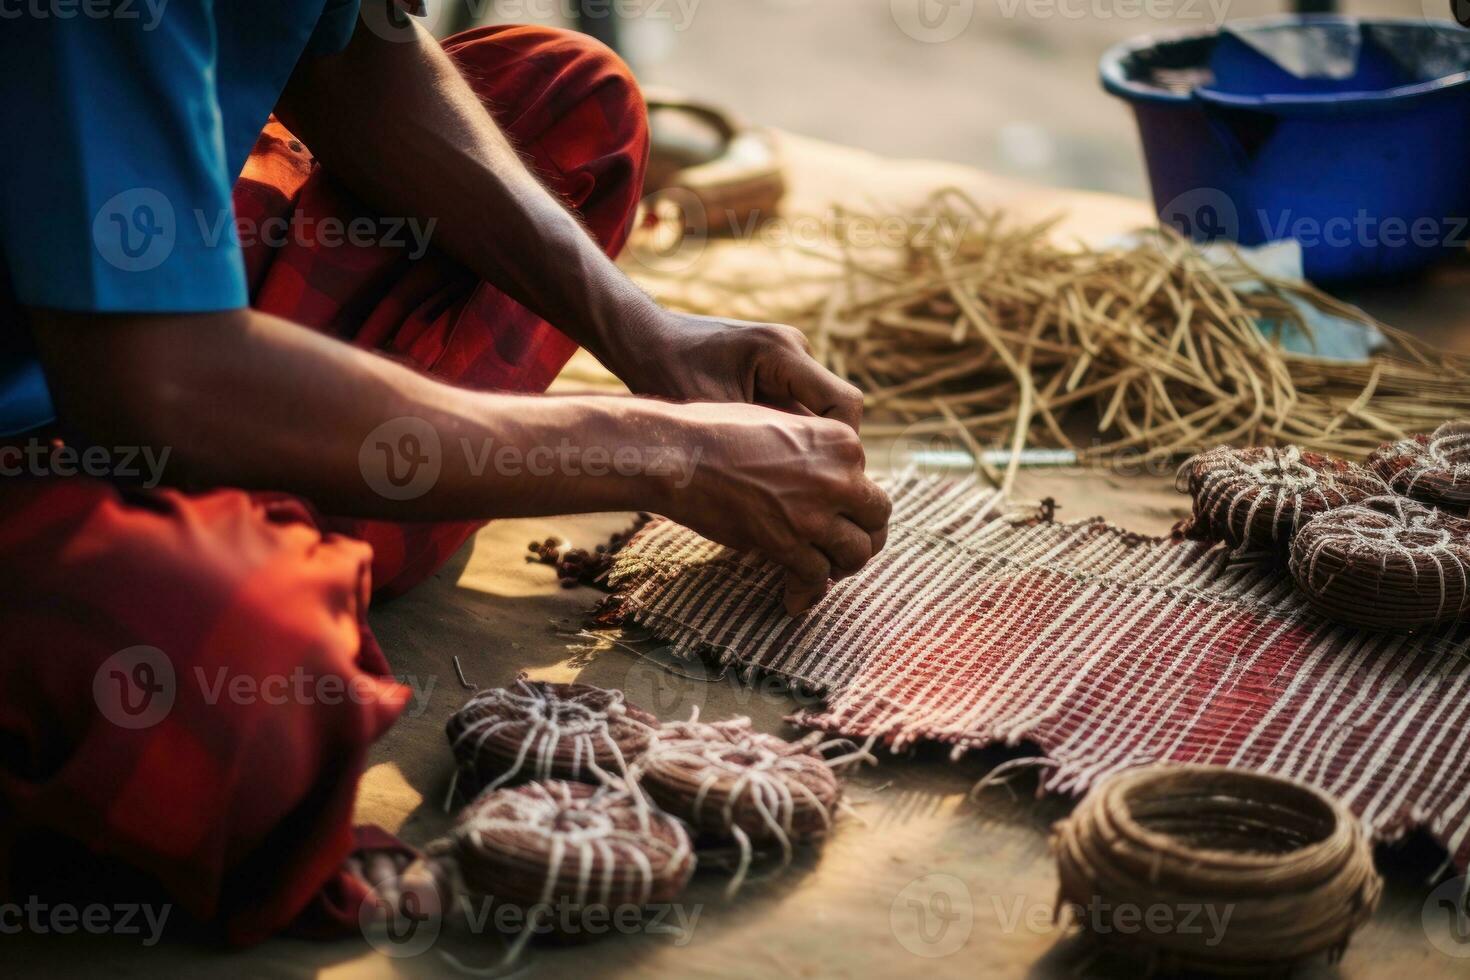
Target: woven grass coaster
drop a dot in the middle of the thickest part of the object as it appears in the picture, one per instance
(978, 625)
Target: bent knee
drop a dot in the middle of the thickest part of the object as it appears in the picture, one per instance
(532, 75)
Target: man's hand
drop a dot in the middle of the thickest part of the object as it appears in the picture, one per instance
(700, 358)
(789, 487)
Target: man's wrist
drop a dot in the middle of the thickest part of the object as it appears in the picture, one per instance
(629, 453)
(631, 339)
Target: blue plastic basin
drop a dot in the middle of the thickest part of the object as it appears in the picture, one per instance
(1362, 155)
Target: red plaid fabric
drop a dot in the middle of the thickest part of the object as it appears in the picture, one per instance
(238, 619)
(1106, 649)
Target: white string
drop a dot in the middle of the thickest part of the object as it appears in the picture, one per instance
(1385, 528)
(1446, 452)
(1231, 487)
(742, 765)
(581, 828)
(549, 718)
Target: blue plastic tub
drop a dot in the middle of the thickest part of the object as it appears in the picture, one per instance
(1351, 135)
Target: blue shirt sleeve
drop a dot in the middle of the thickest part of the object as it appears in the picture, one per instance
(116, 194)
(334, 29)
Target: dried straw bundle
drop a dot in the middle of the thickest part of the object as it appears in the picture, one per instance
(994, 332)
(563, 852)
(730, 782)
(1433, 468)
(1290, 864)
(541, 730)
(1257, 498)
(1387, 563)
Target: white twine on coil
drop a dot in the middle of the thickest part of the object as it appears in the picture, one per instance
(1232, 486)
(549, 719)
(1445, 453)
(539, 809)
(1385, 527)
(757, 768)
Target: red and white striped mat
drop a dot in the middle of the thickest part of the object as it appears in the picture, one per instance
(978, 626)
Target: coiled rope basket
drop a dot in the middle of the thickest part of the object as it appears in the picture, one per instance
(1257, 498)
(543, 730)
(732, 783)
(1434, 468)
(1387, 563)
(1288, 865)
(564, 852)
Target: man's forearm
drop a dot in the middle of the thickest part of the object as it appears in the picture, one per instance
(246, 399)
(395, 122)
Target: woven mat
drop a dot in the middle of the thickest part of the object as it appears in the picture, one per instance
(979, 626)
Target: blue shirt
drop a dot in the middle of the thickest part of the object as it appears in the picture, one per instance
(124, 136)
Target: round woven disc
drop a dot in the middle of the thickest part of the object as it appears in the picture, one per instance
(541, 730)
(1174, 845)
(1257, 498)
(1387, 563)
(1433, 468)
(726, 775)
(555, 846)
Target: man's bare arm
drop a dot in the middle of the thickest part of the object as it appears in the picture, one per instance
(398, 125)
(394, 121)
(246, 399)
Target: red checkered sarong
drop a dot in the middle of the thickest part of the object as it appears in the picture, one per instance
(190, 687)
